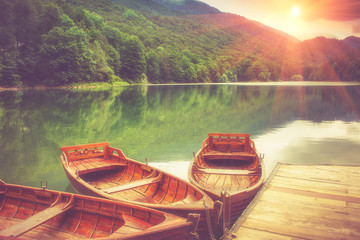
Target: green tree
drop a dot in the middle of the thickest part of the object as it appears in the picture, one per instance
(203, 73)
(114, 36)
(65, 56)
(188, 69)
(24, 18)
(297, 77)
(164, 64)
(223, 79)
(102, 71)
(153, 67)
(49, 18)
(257, 71)
(8, 69)
(7, 36)
(133, 60)
(113, 60)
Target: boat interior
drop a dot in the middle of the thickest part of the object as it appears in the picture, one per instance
(227, 163)
(36, 213)
(108, 170)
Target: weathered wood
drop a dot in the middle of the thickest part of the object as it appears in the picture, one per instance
(216, 155)
(305, 202)
(74, 153)
(84, 168)
(225, 171)
(35, 220)
(133, 184)
(85, 146)
(226, 135)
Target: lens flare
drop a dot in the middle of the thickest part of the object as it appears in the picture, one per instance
(295, 11)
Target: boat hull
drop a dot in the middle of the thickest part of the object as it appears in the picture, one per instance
(32, 213)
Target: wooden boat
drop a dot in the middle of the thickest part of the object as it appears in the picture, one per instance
(35, 213)
(228, 163)
(102, 171)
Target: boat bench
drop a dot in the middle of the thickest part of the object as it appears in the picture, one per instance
(216, 155)
(134, 184)
(225, 171)
(95, 164)
(35, 220)
(228, 146)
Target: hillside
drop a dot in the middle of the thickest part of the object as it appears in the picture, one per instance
(353, 42)
(59, 42)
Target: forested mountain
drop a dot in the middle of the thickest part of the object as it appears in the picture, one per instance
(353, 42)
(58, 42)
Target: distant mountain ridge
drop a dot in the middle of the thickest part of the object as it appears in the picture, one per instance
(353, 42)
(189, 7)
(170, 7)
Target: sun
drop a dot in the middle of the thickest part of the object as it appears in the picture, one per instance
(295, 11)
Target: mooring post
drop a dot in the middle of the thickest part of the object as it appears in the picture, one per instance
(226, 213)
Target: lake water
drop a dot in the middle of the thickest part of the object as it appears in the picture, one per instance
(297, 124)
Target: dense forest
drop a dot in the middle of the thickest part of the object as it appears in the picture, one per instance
(60, 42)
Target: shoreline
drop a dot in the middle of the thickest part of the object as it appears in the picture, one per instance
(107, 85)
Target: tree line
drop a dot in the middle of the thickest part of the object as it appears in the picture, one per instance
(59, 42)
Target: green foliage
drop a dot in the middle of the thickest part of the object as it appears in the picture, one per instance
(65, 56)
(132, 55)
(297, 78)
(153, 66)
(57, 42)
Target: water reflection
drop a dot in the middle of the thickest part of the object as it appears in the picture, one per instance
(294, 124)
(305, 142)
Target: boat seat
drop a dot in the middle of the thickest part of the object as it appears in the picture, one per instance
(216, 155)
(225, 171)
(134, 184)
(229, 143)
(94, 165)
(35, 220)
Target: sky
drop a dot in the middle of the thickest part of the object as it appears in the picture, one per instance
(303, 19)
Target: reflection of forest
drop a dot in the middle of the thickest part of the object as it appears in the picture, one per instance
(149, 121)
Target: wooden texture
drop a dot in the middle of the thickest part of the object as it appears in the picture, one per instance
(305, 202)
(35, 220)
(216, 155)
(134, 184)
(228, 163)
(31, 213)
(112, 175)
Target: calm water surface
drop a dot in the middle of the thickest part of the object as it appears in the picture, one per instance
(166, 124)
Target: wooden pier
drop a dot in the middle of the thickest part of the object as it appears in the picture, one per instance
(304, 202)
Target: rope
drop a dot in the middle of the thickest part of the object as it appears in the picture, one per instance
(208, 221)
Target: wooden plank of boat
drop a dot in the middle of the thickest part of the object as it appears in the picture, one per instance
(84, 168)
(225, 171)
(35, 220)
(217, 155)
(134, 182)
(33, 213)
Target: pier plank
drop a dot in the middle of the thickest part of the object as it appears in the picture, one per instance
(305, 202)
